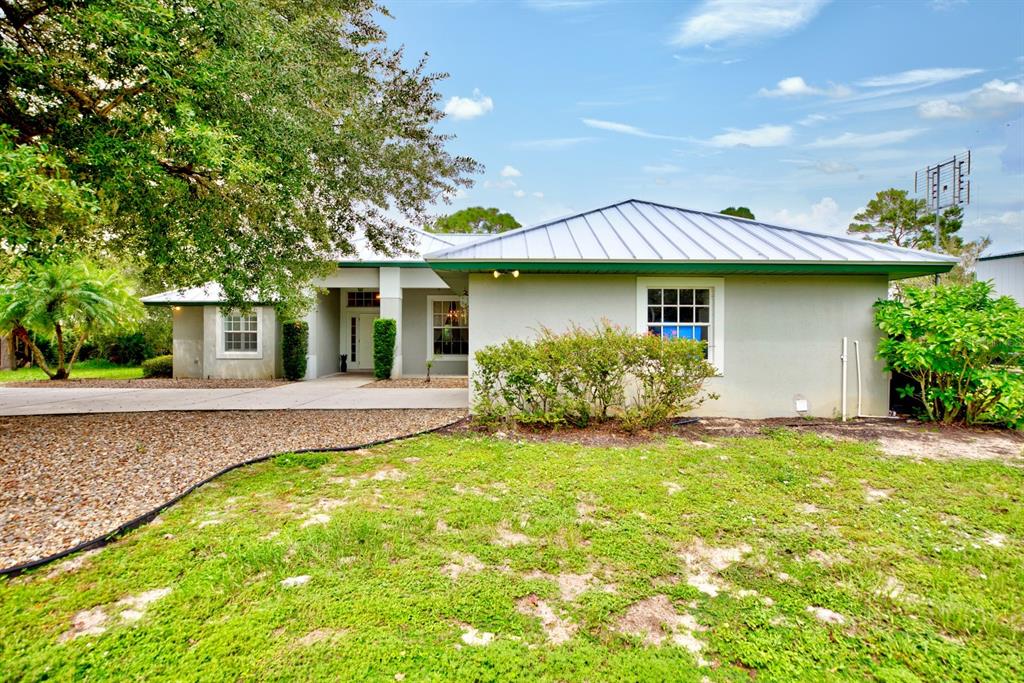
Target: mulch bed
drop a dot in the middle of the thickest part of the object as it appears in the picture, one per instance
(149, 383)
(65, 480)
(417, 383)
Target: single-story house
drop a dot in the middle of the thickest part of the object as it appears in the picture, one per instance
(1005, 272)
(773, 303)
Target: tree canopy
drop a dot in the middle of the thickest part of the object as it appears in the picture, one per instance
(894, 218)
(738, 211)
(243, 142)
(475, 219)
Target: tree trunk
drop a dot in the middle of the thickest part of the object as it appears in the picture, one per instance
(22, 334)
(62, 372)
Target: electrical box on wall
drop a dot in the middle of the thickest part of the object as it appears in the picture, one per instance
(800, 405)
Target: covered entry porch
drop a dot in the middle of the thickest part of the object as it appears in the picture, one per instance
(432, 318)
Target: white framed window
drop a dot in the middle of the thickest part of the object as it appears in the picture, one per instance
(447, 328)
(684, 307)
(240, 335)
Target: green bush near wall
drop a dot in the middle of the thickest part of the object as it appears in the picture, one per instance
(294, 347)
(385, 330)
(161, 366)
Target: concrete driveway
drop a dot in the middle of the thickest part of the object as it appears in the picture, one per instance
(329, 393)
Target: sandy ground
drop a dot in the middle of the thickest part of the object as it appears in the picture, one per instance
(68, 479)
(897, 437)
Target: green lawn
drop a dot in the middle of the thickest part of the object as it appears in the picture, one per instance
(575, 559)
(87, 369)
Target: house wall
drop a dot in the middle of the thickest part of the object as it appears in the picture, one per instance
(1007, 275)
(329, 327)
(415, 341)
(783, 335)
(187, 347)
(265, 367)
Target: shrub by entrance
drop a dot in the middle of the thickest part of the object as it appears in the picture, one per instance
(583, 375)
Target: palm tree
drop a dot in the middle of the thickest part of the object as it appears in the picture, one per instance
(64, 300)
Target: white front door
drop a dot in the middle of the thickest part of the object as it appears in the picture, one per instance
(364, 341)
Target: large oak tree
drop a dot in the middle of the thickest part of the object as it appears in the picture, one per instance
(240, 141)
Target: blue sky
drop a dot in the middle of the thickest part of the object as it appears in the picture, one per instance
(799, 109)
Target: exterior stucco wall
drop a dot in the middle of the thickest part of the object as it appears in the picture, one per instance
(264, 367)
(1006, 274)
(329, 332)
(187, 347)
(415, 344)
(783, 335)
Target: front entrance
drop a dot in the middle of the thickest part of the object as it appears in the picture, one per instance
(360, 347)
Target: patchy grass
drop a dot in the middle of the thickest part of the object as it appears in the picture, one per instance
(787, 557)
(96, 368)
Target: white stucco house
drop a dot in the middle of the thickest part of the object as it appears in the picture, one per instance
(773, 303)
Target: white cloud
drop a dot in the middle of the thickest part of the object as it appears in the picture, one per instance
(510, 172)
(625, 129)
(563, 4)
(997, 94)
(662, 169)
(813, 119)
(538, 195)
(823, 216)
(917, 77)
(727, 20)
(499, 184)
(519, 193)
(468, 107)
(762, 136)
(941, 109)
(796, 86)
(550, 143)
(889, 137)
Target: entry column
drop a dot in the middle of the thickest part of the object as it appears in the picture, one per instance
(391, 307)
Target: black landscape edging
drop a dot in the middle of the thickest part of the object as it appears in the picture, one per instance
(146, 517)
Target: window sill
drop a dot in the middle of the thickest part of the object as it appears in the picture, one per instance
(465, 357)
(240, 355)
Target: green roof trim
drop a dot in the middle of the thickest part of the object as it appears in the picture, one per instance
(894, 271)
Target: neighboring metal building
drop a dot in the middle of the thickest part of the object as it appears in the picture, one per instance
(1006, 271)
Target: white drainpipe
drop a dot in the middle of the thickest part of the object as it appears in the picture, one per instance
(856, 354)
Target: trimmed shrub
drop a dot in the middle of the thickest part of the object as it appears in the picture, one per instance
(385, 330)
(294, 347)
(583, 375)
(161, 366)
(963, 349)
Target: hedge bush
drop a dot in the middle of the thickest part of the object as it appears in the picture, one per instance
(294, 348)
(584, 375)
(963, 349)
(161, 366)
(384, 332)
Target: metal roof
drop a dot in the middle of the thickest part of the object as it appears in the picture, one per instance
(210, 293)
(639, 232)
(993, 257)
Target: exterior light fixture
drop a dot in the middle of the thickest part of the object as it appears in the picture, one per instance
(515, 273)
(176, 308)
(496, 275)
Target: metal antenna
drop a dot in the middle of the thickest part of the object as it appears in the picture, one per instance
(944, 185)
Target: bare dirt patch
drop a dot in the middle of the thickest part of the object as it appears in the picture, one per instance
(419, 383)
(704, 562)
(507, 538)
(572, 586)
(557, 629)
(101, 471)
(656, 621)
(95, 621)
(319, 635)
(462, 563)
(475, 638)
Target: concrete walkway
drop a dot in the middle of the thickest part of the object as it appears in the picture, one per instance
(329, 393)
